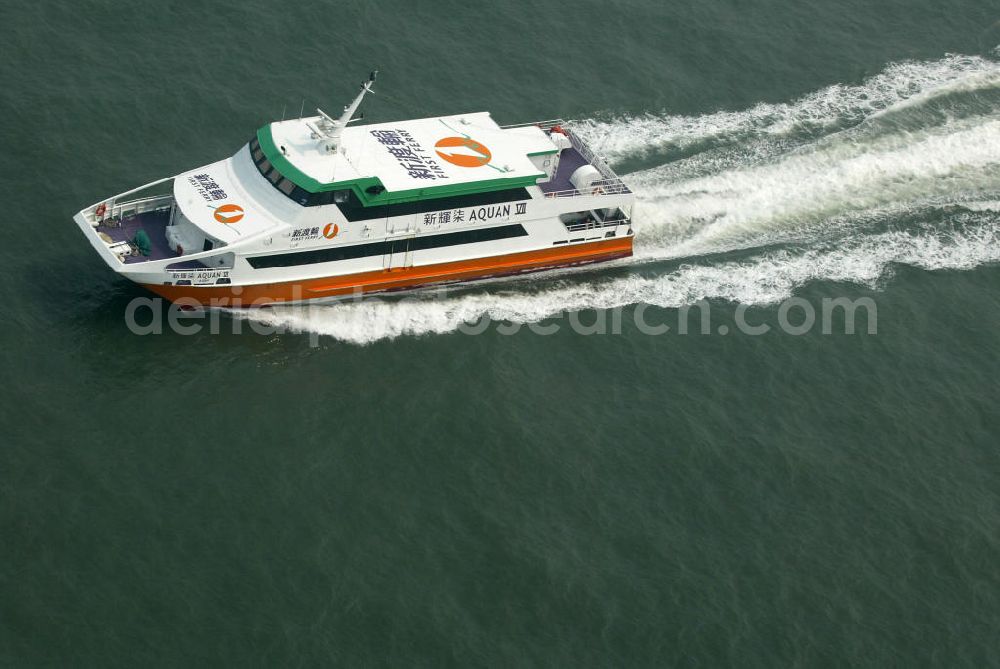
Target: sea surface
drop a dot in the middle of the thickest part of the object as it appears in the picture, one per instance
(520, 473)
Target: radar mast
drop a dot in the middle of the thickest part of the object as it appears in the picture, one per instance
(331, 129)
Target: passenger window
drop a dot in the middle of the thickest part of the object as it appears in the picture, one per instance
(574, 217)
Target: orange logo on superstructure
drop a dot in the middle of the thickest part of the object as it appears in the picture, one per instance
(229, 214)
(475, 154)
(331, 230)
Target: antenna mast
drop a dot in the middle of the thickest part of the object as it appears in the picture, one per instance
(332, 129)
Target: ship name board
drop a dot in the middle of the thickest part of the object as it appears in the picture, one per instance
(475, 214)
(199, 276)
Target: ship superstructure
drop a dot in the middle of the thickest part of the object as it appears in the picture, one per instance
(313, 208)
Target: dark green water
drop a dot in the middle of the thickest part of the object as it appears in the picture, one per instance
(404, 493)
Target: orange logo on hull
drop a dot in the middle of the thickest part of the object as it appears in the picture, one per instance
(476, 154)
(331, 230)
(229, 214)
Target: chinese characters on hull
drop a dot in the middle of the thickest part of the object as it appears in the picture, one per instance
(207, 188)
(437, 218)
(475, 215)
(410, 155)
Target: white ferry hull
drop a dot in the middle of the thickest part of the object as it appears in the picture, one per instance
(403, 278)
(255, 229)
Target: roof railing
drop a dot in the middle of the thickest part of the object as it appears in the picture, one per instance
(613, 186)
(124, 210)
(591, 157)
(544, 125)
(612, 183)
(596, 225)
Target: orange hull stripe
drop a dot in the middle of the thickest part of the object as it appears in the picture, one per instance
(396, 279)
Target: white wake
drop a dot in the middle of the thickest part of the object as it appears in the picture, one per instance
(825, 208)
(898, 86)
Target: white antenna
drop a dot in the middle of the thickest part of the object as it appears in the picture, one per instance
(331, 129)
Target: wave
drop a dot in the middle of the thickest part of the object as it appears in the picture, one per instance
(762, 280)
(879, 176)
(832, 108)
(814, 191)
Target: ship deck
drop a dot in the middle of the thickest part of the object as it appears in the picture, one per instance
(570, 160)
(154, 223)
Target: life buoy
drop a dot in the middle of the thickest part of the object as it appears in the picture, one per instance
(101, 210)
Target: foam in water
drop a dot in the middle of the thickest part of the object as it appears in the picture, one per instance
(983, 206)
(766, 279)
(854, 173)
(831, 108)
(822, 195)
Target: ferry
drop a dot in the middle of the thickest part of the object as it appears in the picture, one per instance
(315, 208)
